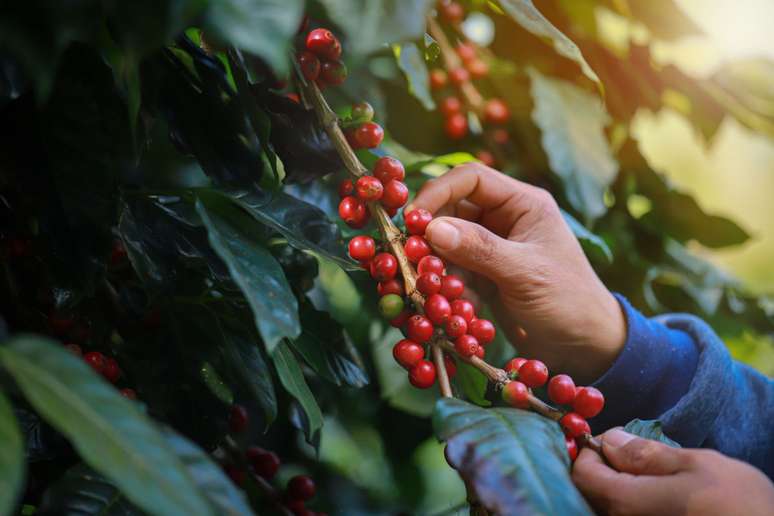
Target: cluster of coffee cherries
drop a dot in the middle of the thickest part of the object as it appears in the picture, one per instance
(581, 402)
(386, 187)
(265, 464)
(320, 61)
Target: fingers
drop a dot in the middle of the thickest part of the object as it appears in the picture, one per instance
(596, 480)
(472, 247)
(637, 456)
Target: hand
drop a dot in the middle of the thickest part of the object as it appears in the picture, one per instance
(551, 303)
(646, 477)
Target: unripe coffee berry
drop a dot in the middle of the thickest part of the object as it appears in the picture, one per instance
(264, 463)
(516, 395)
(572, 448)
(96, 360)
(301, 487)
(346, 188)
(496, 112)
(416, 248)
(334, 73)
(368, 188)
(455, 326)
(458, 76)
(561, 389)
(437, 309)
(417, 221)
(392, 286)
(387, 169)
(464, 309)
(514, 365)
(429, 283)
(323, 43)
(408, 353)
(450, 106)
(422, 375)
(237, 420)
(483, 330)
(309, 64)
(456, 126)
(369, 135)
(533, 373)
(362, 248)
(452, 287)
(384, 267)
(362, 112)
(419, 329)
(438, 79)
(574, 425)
(352, 210)
(588, 402)
(391, 306)
(466, 345)
(430, 263)
(395, 194)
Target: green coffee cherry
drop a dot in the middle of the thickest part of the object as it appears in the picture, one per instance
(391, 306)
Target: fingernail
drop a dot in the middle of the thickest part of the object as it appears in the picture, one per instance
(616, 438)
(443, 235)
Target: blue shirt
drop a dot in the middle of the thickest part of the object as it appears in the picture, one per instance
(676, 369)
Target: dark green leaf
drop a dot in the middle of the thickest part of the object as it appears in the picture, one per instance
(83, 491)
(473, 383)
(12, 464)
(515, 460)
(262, 27)
(412, 64)
(292, 378)
(649, 429)
(527, 15)
(253, 268)
(370, 25)
(109, 431)
(572, 124)
(594, 246)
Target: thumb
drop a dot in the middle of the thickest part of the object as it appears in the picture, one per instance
(472, 247)
(630, 454)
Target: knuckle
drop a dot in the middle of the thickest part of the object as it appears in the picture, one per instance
(641, 453)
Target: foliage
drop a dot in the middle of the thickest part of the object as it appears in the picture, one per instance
(236, 287)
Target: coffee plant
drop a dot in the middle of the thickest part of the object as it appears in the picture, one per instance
(207, 267)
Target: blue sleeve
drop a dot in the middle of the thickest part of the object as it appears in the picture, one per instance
(676, 369)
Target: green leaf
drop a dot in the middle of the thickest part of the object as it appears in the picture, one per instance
(370, 25)
(108, 431)
(527, 15)
(253, 268)
(262, 27)
(515, 460)
(412, 64)
(12, 463)
(81, 490)
(292, 378)
(592, 243)
(473, 383)
(572, 124)
(649, 429)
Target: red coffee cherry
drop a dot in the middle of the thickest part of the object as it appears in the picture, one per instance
(438, 79)
(450, 106)
(466, 51)
(416, 248)
(236, 474)
(437, 309)
(408, 353)
(346, 188)
(352, 210)
(238, 418)
(387, 169)
(60, 323)
(362, 248)
(384, 267)
(588, 402)
(514, 364)
(464, 309)
(369, 188)
(429, 283)
(301, 487)
(430, 263)
(111, 371)
(395, 194)
(419, 329)
(309, 64)
(456, 126)
(75, 349)
(451, 11)
(572, 448)
(466, 345)
(496, 112)
(451, 365)
(392, 286)
(480, 352)
(264, 463)
(369, 135)
(294, 97)
(516, 395)
(399, 321)
(128, 393)
(458, 76)
(298, 508)
(334, 73)
(561, 390)
(477, 68)
(349, 134)
(96, 360)
(455, 326)
(417, 221)
(323, 43)
(486, 157)
(422, 375)
(117, 253)
(500, 136)
(484, 331)
(533, 373)
(574, 425)
(452, 287)
(362, 111)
